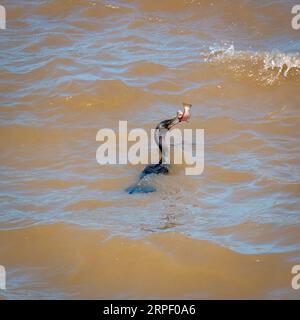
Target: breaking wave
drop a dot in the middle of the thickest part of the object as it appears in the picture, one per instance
(265, 67)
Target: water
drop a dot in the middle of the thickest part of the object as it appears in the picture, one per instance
(71, 68)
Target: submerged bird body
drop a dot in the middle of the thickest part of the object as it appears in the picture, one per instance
(156, 169)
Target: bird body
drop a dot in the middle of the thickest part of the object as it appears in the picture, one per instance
(161, 129)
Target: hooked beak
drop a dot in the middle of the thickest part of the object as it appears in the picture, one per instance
(182, 116)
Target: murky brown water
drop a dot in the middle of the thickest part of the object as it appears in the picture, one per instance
(70, 68)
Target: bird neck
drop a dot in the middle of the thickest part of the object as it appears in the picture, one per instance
(160, 141)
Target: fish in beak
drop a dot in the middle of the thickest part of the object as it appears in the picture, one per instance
(182, 116)
(186, 114)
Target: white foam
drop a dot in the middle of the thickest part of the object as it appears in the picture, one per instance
(266, 62)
